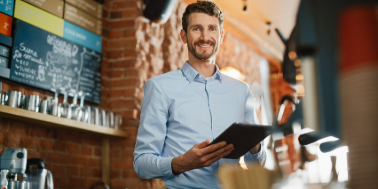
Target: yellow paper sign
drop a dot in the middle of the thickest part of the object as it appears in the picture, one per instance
(39, 18)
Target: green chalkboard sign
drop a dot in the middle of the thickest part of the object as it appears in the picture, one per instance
(49, 62)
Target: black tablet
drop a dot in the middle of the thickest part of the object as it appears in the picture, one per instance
(243, 136)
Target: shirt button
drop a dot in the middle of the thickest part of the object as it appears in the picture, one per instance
(212, 104)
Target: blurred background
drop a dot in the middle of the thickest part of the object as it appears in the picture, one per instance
(312, 68)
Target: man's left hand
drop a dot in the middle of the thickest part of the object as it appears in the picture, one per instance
(255, 149)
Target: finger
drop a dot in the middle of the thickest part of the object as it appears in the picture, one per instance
(216, 158)
(203, 144)
(248, 122)
(213, 147)
(224, 154)
(219, 152)
(213, 154)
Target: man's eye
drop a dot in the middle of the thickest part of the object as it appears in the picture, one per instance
(212, 29)
(196, 29)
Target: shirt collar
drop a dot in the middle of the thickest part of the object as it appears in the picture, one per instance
(190, 73)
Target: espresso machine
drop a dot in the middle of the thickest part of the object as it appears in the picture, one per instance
(14, 160)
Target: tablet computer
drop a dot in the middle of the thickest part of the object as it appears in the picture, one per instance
(243, 136)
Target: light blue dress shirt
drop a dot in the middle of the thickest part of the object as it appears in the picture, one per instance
(182, 108)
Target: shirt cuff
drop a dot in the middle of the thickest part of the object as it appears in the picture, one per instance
(260, 156)
(165, 166)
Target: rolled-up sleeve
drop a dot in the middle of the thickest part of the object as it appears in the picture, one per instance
(148, 162)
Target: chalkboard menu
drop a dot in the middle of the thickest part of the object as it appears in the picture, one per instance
(47, 61)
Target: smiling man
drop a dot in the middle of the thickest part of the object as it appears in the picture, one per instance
(183, 110)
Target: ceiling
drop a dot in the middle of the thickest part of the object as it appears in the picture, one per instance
(253, 22)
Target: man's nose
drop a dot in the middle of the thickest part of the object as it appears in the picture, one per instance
(205, 35)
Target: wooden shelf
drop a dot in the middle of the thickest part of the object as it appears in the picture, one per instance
(45, 119)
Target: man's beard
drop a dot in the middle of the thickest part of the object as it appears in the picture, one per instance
(200, 56)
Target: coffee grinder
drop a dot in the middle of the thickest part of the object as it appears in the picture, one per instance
(37, 175)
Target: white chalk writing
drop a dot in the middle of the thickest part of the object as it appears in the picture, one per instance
(28, 50)
(61, 46)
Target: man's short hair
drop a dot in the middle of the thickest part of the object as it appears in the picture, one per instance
(206, 7)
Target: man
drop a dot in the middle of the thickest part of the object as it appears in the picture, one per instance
(184, 109)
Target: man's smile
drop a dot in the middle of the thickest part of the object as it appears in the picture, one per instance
(201, 46)
(204, 46)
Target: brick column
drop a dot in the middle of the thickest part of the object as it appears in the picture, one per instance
(122, 85)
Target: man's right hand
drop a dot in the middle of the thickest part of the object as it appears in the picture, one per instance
(200, 155)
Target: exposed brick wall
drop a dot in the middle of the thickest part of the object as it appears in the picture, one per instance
(235, 53)
(174, 51)
(124, 73)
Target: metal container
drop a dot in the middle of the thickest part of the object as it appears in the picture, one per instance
(32, 103)
(17, 184)
(15, 99)
(3, 98)
(95, 116)
(54, 106)
(117, 121)
(110, 119)
(102, 118)
(44, 106)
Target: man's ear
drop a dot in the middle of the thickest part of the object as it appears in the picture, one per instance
(222, 36)
(183, 36)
